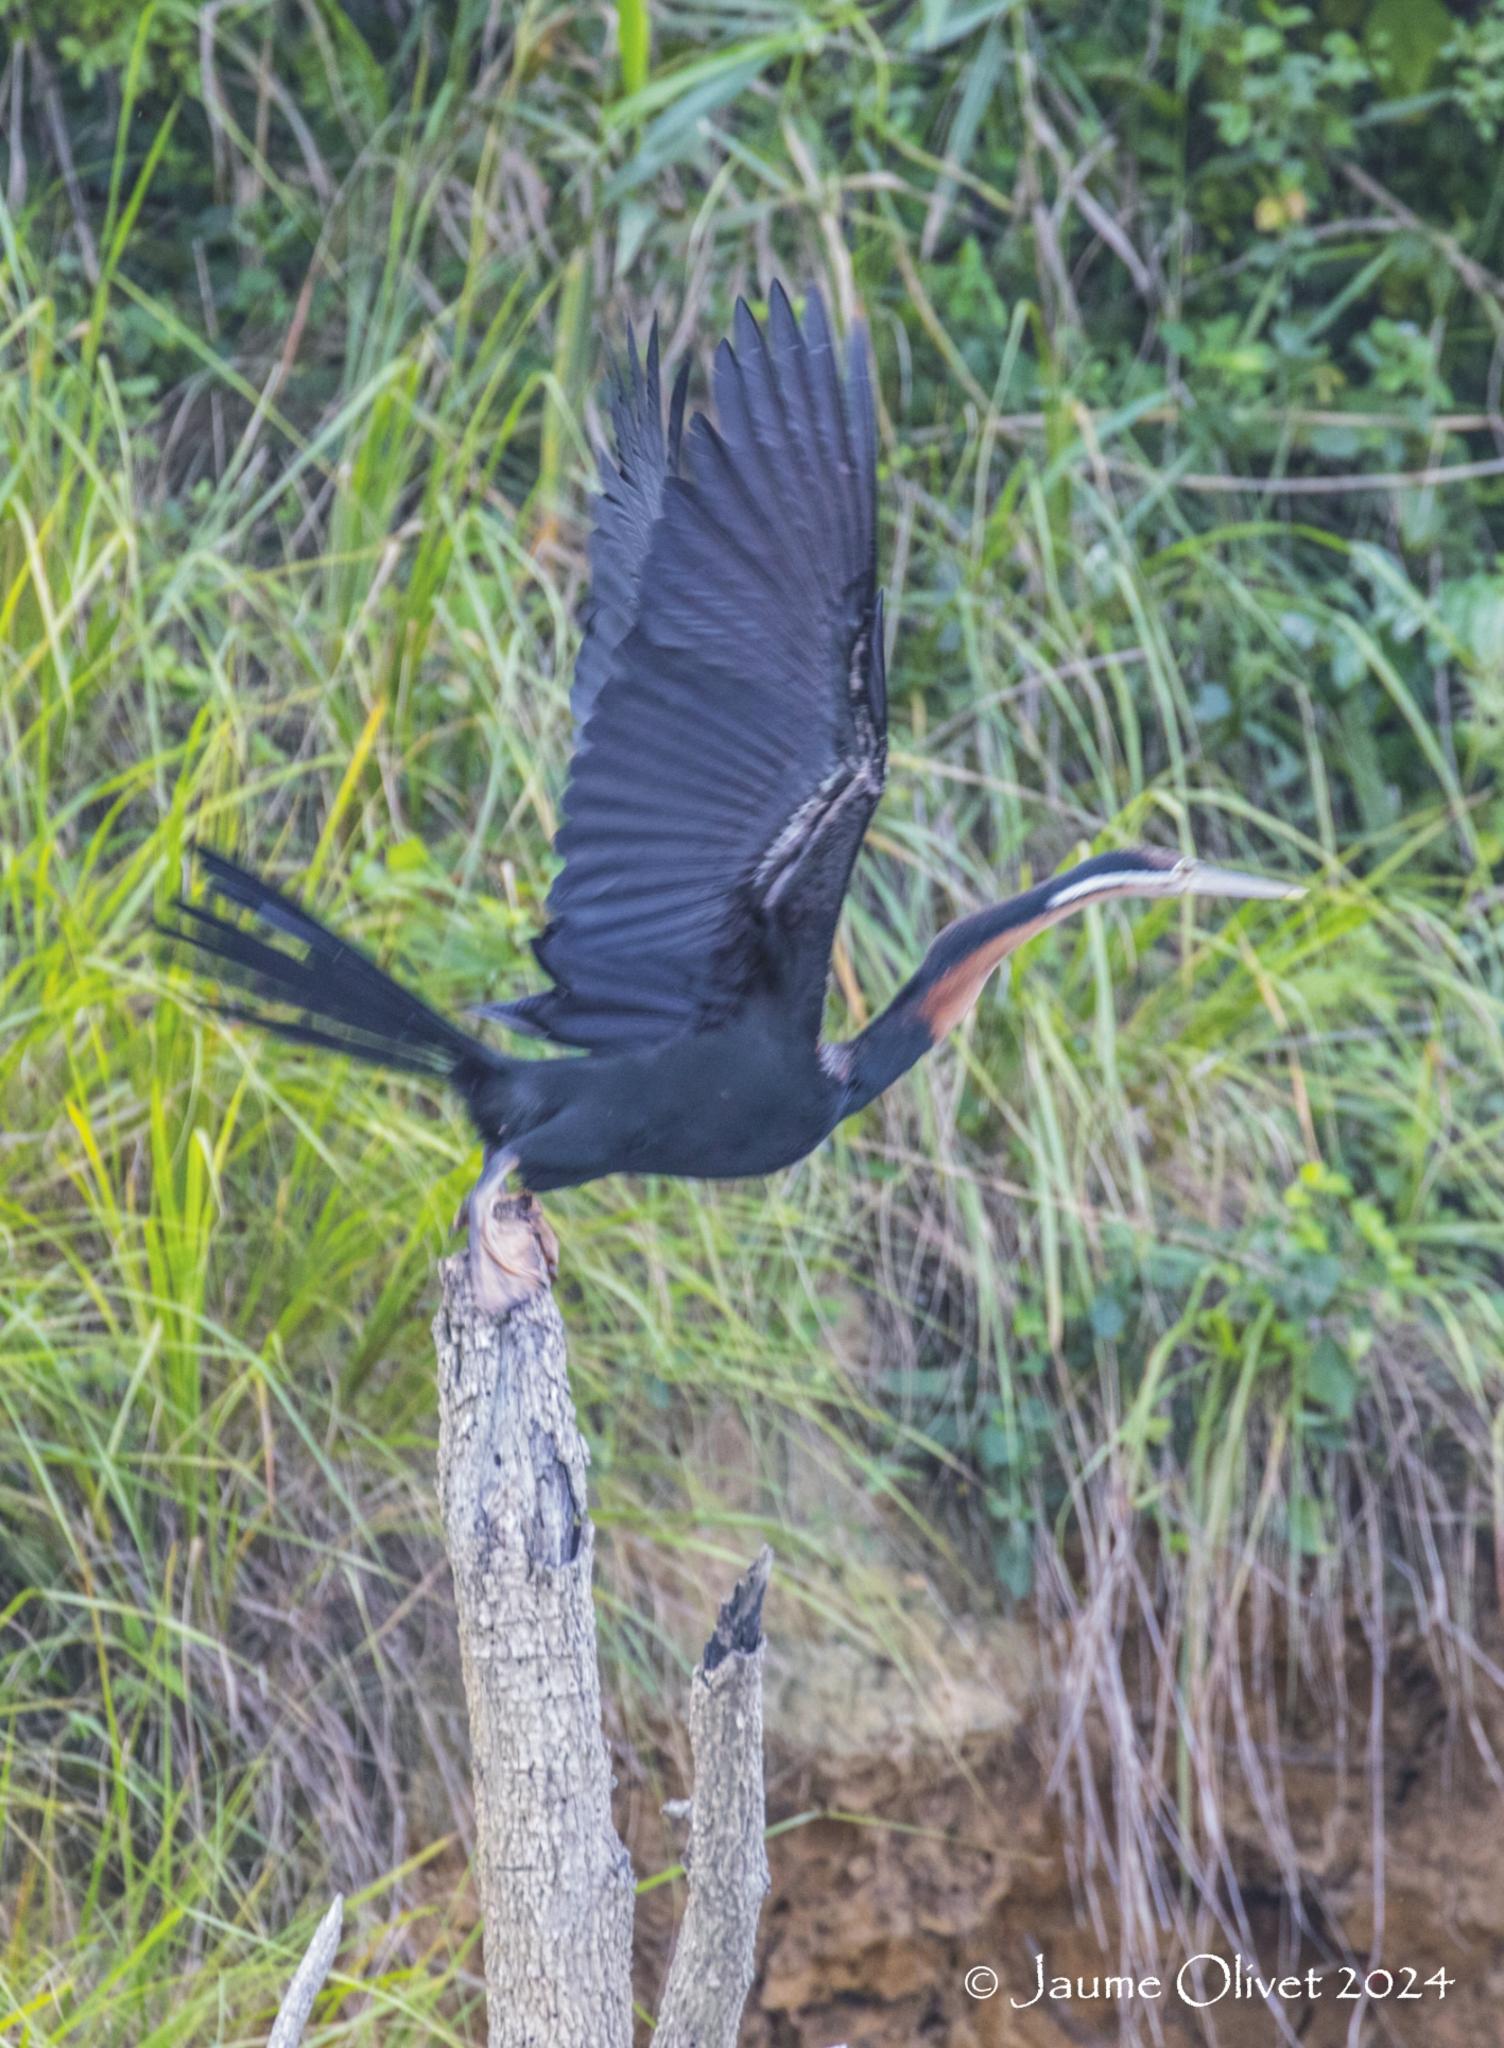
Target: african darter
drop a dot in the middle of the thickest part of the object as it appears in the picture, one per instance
(731, 716)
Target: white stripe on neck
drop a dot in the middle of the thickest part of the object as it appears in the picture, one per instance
(1101, 885)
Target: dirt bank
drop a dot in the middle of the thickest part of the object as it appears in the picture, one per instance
(938, 1849)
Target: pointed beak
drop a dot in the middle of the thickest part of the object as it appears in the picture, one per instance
(1197, 879)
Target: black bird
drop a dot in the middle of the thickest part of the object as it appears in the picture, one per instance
(731, 747)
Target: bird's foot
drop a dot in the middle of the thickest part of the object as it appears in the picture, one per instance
(514, 1254)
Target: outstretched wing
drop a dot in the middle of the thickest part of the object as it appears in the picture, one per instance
(736, 743)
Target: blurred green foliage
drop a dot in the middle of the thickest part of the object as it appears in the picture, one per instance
(1189, 330)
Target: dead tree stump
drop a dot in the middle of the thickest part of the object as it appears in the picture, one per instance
(555, 1882)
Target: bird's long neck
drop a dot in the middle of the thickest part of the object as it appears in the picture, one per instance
(934, 1000)
(950, 979)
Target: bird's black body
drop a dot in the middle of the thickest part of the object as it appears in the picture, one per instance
(745, 1097)
(731, 712)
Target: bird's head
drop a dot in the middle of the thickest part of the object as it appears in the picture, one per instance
(1151, 871)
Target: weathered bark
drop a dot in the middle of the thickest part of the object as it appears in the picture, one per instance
(308, 1980)
(715, 1956)
(555, 1882)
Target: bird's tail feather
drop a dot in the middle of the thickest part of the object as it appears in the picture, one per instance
(343, 1001)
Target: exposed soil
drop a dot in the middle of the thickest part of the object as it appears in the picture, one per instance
(959, 1861)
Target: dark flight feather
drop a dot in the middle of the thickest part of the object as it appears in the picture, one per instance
(626, 510)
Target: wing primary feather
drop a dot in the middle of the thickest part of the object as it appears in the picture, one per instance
(796, 427)
(702, 504)
(877, 670)
(859, 390)
(632, 472)
(742, 430)
(790, 348)
(750, 369)
(759, 382)
(826, 365)
(634, 358)
(676, 415)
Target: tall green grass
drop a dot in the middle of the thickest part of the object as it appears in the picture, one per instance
(1170, 1289)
